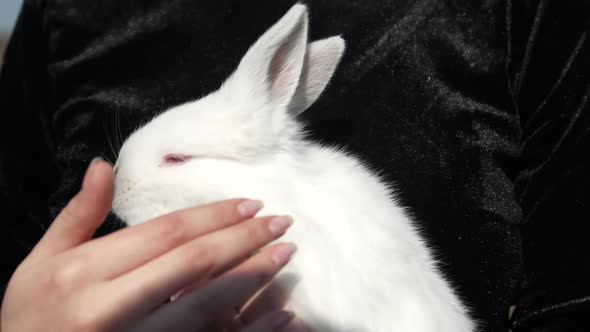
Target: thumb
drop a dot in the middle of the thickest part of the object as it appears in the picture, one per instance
(83, 214)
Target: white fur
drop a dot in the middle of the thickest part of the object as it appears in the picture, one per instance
(361, 264)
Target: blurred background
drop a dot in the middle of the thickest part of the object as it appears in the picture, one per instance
(8, 11)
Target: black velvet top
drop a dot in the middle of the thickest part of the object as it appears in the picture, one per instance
(477, 110)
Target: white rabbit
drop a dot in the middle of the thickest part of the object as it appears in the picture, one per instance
(361, 263)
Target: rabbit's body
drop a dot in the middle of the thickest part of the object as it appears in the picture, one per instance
(361, 264)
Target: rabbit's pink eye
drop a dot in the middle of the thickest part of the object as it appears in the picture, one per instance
(175, 159)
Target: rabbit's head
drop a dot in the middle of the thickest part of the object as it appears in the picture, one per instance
(189, 154)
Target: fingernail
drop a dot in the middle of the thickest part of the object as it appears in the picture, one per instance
(279, 225)
(96, 160)
(90, 170)
(282, 254)
(249, 208)
(281, 319)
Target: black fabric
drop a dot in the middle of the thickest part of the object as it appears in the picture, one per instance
(550, 75)
(476, 110)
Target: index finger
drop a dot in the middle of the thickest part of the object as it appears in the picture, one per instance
(144, 242)
(201, 259)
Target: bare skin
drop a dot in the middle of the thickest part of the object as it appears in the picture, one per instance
(201, 257)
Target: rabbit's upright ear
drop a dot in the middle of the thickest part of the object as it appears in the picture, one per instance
(321, 60)
(272, 66)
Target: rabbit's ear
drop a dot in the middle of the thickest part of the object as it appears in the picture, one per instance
(272, 66)
(321, 60)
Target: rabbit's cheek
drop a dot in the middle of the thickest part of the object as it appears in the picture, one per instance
(132, 201)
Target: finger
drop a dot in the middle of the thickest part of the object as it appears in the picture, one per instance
(200, 260)
(274, 296)
(196, 307)
(231, 290)
(147, 241)
(78, 221)
(275, 321)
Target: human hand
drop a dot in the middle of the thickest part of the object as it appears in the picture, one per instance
(123, 281)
